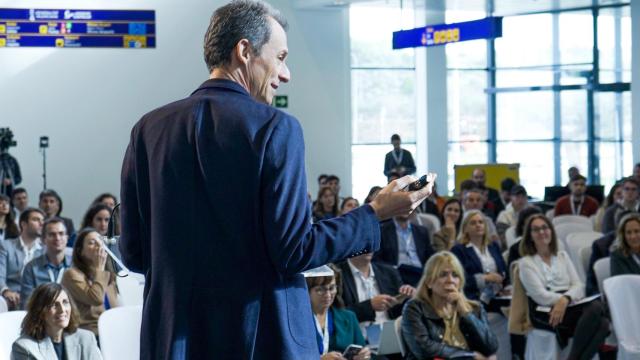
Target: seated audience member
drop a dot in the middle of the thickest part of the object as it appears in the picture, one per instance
(8, 227)
(493, 196)
(614, 197)
(50, 329)
(405, 246)
(337, 328)
(600, 249)
(523, 216)
(505, 190)
(488, 207)
(473, 199)
(372, 194)
(326, 206)
(439, 322)
(630, 201)
(348, 204)
(16, 253)
(19, 201)
(550, 280)
(578, 202)
(106, 198)
(481, 259)
(370, 290)
(334, 183)
(98, 217)
(50, 266)
(445, 238)
(51, 204)
(625, 258)
(90, 281)
(322, 180)
(509, 216)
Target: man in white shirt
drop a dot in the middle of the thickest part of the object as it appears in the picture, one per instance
(373, 291)
(15, 253)
(509, 216)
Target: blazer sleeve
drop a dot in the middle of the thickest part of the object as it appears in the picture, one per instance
(471, 286)
(387, 164)
(132, 236)
(292, 242)
(410, 165)
(4, 259)
(80, 289)
(418, 339)
(478, 333)
(27, 283)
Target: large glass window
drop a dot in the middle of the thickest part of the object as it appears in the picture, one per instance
(383, 99)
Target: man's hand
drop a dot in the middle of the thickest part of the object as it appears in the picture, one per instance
(391, 202)
(407, 290)
(334, 355)
(493, 278)
(364, 354)
(6, 182)
(12, 297)
(383, 302)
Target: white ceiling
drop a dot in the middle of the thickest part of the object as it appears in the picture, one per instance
(501, 7)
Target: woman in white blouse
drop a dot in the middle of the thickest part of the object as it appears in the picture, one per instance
(551, 281)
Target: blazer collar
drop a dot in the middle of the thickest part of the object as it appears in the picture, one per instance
(221, 84)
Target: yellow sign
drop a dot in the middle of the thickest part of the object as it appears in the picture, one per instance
(3, 42)
(446, 36)
(43, 29)
(134, 41)
(494, 173)
(59, 42)
(3, 28)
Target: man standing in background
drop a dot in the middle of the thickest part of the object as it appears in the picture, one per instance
(399, 160)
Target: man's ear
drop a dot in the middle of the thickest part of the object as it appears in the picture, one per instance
(242, 51)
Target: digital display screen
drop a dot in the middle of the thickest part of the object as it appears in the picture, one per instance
(66, 28)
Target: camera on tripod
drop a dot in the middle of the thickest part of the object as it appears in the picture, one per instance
(6, 139)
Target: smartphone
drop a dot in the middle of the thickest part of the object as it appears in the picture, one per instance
(401, 297)
(351, 351)
(418, 184)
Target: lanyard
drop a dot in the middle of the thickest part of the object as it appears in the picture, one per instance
(573, 206)
(54, 279)
(326, 332)
(397, 158)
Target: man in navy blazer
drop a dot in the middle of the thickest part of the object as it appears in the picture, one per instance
(222, 254)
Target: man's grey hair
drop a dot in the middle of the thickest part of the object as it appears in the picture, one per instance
(240, 19)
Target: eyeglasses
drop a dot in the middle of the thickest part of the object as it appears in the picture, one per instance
(322, 290)
(630, 188)
(540, 229)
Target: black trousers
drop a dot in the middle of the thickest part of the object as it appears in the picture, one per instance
(586, 323)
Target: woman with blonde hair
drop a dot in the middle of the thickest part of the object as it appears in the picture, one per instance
(440, 321)
(481, 259)
(625, 258)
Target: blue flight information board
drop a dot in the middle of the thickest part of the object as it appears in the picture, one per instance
(67, 28)
(435, 35)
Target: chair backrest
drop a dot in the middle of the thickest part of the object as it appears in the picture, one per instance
(576, 241)
(602, 268)
(585, 256)
(3, 305)
(119, 330)
(10, 326)
(550, 213)
(130, 291)
(510, 236)
(573, 219)
(430, 221)
(563, 230)
(623, 292)
(398, 329)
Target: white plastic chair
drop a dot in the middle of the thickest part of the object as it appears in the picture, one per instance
(3, 305)
(550, 213)
(119, 330)
(543, 345)
(430, 221)
(572, 219)
(510, 236)
(398, 327)
(585, 256)
(130, 290)
(602, 268)
(622, 293)
(10, 326)
(563, 230)
(575, 242)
